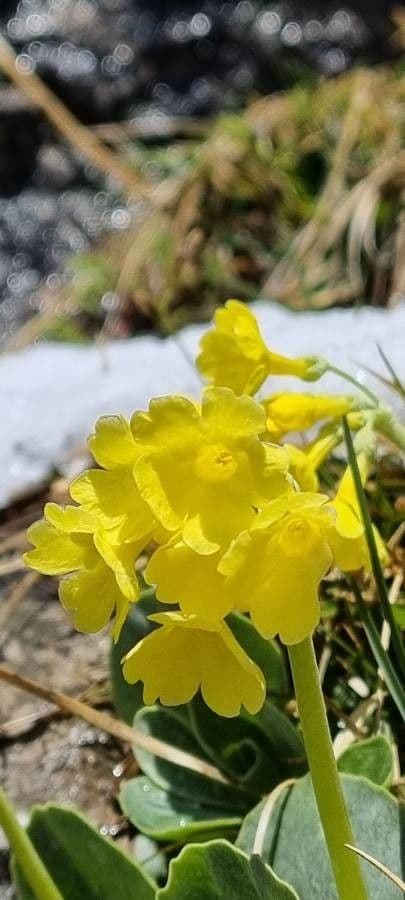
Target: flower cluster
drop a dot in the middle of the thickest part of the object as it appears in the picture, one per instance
(228, 519)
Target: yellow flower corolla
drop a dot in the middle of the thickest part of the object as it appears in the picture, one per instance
(189, 579)
(278, 565)
(235, 355)
(298, 412)
(202, 471)
(188, 653)
(100, 575)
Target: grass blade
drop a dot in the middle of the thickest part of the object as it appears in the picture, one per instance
(378, 865)
(396, 382)
(381, 657)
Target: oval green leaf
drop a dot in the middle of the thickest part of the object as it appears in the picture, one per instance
(371, 758)
(295, 847)
(169, 726)
(167, 816)
(82, 863)
(217, 870)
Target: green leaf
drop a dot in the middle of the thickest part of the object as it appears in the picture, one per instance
(256, 751)
(371, 758)
(172, 802)
(169, 726)
(167, 816)
(127, 698)
(266, 654)
(217, 870)
(81, 862)
(294, 844)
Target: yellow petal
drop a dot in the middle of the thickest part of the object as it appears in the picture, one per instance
(228, 418)
(113, 497)
(347, 523)
(287, 604)
(121, 559)
(298, 412)
(187, 653)
(57, 552)
(204, 479)
(169, 420)
(301, 469)
(90, 596)
(234, 354)
(166, 664)
(350, 554)
(275, 573)
(193, 581)
(72, 519)
(163, 487)
(112, 443)
(231, 679)
(346, 491)
(168, 436)
(300, 503)
(195, 531)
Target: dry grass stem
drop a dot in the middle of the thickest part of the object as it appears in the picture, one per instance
(84, 141)
(117, 729)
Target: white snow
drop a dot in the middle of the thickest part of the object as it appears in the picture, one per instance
(51, 394)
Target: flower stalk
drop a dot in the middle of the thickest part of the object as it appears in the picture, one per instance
(27, 857)
(324, 774)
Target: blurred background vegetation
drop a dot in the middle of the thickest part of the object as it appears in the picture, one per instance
(260, 148)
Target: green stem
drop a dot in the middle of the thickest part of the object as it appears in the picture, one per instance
(324, 774)
(352, 380)
(27, 857)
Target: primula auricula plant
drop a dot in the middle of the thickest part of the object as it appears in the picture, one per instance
(230, 515)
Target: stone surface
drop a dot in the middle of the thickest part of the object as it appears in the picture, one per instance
(44, 757)
(51, 394)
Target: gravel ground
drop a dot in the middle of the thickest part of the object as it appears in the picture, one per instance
(44, 757)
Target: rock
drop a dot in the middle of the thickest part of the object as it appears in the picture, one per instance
(51, 394)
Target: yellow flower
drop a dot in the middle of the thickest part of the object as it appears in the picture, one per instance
(189, 579)
(298, 412)
(100, 576)
(304, 464)
(188, 653)
(234, 354)
(201, 471)
(277, 567)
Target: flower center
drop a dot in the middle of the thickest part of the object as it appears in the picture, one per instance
(215, 463)
(298, 537)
